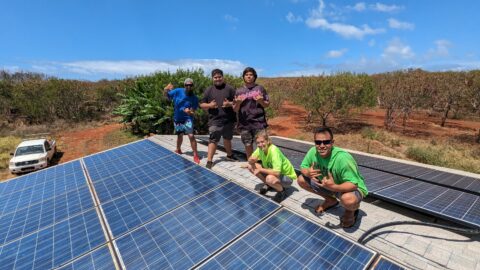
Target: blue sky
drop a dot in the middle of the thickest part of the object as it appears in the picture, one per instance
(98, 39)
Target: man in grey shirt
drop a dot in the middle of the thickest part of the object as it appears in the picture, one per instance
(218, 100)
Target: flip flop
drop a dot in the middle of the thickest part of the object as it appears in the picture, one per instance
(320, 209)
(353, 220)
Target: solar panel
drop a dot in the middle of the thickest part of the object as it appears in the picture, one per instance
(100, 259)
(184, 237)
(135, 208)
(288, 241)
(378, 180)
(386, 264)
(54, 245)
(440, 201)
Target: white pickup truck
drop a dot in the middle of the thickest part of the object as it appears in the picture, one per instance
(32, 155)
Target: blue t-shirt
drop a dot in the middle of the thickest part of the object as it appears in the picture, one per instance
(180, 102)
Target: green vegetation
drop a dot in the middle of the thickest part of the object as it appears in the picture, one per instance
(119, 137)
(7, 146)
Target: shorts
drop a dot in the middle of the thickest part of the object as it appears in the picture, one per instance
(284, 180)
(183, 127)
(217, 132)
(325, 191)
(248, 136)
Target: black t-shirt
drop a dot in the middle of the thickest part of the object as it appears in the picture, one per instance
(220, 116)
(252, 115)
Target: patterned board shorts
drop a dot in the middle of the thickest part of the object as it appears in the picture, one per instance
(183, 127)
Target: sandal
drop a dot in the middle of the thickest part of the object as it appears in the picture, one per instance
(323, 208)
(348, 223)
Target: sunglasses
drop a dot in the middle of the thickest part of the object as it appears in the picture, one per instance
(325, 142)
(188, 85)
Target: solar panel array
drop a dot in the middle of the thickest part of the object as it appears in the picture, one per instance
(386, 264)
(141, 206)
(446, 195)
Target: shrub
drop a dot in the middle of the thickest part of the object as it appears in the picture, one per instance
(427, 155)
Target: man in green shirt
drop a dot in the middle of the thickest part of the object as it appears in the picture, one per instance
(332, 173)
(275, 170)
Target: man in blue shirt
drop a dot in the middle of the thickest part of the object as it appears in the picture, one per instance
(184, 104)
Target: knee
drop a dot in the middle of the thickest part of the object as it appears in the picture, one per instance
(349, 201)
(271, 180)
(191, 137)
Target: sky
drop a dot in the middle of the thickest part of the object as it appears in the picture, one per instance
(115, 39)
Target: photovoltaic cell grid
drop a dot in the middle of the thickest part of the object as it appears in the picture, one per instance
(140, 206)
(119, 160)
(448, 203)
(140, 176)
(26, 190)
(55, 245)
(378, 180)
(99, 259)
(189, 234)
(447, 179)
(385, 264)
(288, 241)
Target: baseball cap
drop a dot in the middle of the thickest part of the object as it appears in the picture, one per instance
(188, 81)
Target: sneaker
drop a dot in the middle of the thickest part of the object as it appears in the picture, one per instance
(178, 151)
(263, 190)
(196, 159)
(280, 196)
(232, 157)
(209, 165)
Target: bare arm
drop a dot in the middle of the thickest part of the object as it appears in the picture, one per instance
(167, 89)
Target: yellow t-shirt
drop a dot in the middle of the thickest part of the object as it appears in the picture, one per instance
(276, 160)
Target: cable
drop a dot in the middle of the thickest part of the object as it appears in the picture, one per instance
(393, 223)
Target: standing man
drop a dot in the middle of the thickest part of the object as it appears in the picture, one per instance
(184, 104)
(250, 102)
(218, 100)
(332, 173)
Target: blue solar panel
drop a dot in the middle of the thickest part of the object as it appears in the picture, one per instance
(385, 264)
(440, 201)
(44, 213)
(52, 181)
(54, 245)
(288, 241)
(189, 234)
(378, 180)
(100, 259)
(119, 160)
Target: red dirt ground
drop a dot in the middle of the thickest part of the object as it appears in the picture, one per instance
(290, 123)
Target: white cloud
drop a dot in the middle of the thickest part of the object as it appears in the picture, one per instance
(137, 67)
(442, 46)
(318, 20)
(230, 18)
(336, 53)
(292, 18)
(396, 50)
(358, 7)
(396, 24)
(385, 8)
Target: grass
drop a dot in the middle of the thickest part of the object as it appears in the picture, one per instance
(7, 146)
(119, 137)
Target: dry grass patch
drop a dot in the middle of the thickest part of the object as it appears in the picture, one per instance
(7, 146)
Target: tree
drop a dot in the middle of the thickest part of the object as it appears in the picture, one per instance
(337, 94)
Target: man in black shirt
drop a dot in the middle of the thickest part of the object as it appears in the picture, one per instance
(218, 100)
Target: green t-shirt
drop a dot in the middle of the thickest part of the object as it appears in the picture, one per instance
(340, 163)
(276, 160)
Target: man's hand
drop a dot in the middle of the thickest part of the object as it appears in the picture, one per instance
(188, 111)
(328, 182)
(314, 173)
(212, 104)
(168, 87)
(227, 103)
(239, 99)
(259, 98)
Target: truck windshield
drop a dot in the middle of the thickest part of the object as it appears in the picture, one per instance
(27, 150)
